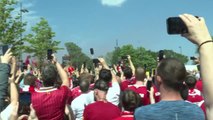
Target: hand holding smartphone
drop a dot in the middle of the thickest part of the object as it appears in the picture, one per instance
(3, 49)
(49, 54)
(175, 25)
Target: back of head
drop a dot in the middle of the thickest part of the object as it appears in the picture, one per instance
(140, 74)
(29, 79)
(127, 72)
(191, 81)
(172, 73)
(105, 75)
(49, 75)
(130, 100)
(84, 85)
(86, 76)
(101, 85)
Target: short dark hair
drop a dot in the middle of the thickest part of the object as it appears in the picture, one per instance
(172, 73)
(84, 85)
(101, 85)
(184, 92)
(105, 75)
(127, 72)
(140, 74)
(29, 79)
(191, 81)
(49, 75)
(130, 100)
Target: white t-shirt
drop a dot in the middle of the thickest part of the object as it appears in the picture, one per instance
(112, 94)
(79, 103)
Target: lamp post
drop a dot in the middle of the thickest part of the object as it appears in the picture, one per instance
(22, 10)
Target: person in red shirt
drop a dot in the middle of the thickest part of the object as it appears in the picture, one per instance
(49, 101)
(194, 95)
(129, 74)
(199, 85)
(27, 60)
(129, 100)
(101, 109)
(76, 91)
(140, 86)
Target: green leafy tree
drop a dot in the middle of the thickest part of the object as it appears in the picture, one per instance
(141, 57)
(41, 40)
(145, 58)
(77, 57)
(11, 27)
(172, 54)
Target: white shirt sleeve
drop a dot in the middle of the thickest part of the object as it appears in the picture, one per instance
(5, 114)
(114, 93)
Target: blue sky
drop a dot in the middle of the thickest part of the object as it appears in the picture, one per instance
(98, 23)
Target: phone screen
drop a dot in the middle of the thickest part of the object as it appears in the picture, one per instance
(175, 25)
(149, 85)
(49, 54)
(3, 49)
(24, 103)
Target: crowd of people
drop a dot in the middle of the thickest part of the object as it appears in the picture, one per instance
(54, 92)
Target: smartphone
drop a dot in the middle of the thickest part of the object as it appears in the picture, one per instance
(161, 55)
(96, 61)
(24, 103)
(84, 65)
(3, 49)
(149, 85)
(193, 58)
(124, 57)
(49, 54)
(91, 51)
(175, 25)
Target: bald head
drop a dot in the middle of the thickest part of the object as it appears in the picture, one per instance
(140, 74)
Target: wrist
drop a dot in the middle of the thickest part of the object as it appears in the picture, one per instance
(204, 43)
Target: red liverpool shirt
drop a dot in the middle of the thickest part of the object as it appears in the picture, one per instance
(101, 111)
(126, 115)
(124, 84)
(142, 91)
(49, 103)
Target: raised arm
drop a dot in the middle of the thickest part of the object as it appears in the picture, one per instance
(13, 67)
(199, 34)
(131, 65)
(63, 75)
(14, 100)
(104, 64)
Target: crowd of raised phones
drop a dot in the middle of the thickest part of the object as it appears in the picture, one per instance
(118, 93)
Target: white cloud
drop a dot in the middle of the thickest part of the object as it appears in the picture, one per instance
(114, 3)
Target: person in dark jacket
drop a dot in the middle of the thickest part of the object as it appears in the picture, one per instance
(4, 74)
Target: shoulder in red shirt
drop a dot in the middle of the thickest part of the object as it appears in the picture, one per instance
(101, 111)
(49, 103)
(142, 91)
(124, 85)
(126, 115)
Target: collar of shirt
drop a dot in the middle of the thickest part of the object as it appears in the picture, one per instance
(127, 114)
(46, 89)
